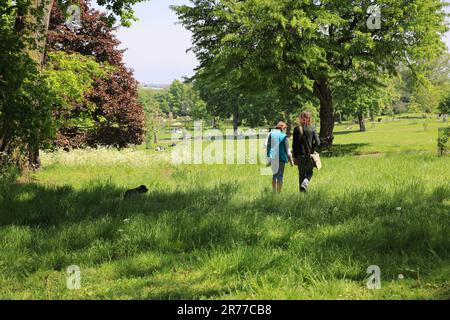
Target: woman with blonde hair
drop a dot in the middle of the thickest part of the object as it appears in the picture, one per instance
(279, 153)
(305, 142)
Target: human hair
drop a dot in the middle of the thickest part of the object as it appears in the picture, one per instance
(305, 118)
(281, 125)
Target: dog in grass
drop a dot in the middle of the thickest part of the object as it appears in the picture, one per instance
(134, 192)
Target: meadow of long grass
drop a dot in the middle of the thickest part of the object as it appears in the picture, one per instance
(217, 231)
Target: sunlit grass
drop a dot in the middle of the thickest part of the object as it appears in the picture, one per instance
(212, 232)
(397, 136)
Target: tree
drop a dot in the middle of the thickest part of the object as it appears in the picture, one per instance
(364, 100)
(196, 106)
(35, 15)
(301, 46)
(71, 77)
(117, 117)
(444, 105)
(28, 20)
(429, 89)
(21, 22)
(358, 103)
(222, 100)
(34, 104)
(26, 100)
(175, 98)
(154, 116)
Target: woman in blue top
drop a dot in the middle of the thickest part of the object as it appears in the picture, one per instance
(279, 153)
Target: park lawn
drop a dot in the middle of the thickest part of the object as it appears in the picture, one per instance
(217, 232)
(398, 136)
(416, 135)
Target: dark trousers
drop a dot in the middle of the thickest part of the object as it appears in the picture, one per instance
(305, 170)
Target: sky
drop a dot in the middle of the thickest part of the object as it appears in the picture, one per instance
(156, 45)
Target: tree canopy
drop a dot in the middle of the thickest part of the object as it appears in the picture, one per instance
(117, 117)
(64, 90)
(301, 47)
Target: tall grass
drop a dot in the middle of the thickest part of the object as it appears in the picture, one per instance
(217, 231)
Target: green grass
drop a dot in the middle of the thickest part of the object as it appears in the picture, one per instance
(217, 232)
(390, 136)
(399, 136)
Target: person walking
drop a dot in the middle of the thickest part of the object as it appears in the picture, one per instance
(305, 142)
(279, 153)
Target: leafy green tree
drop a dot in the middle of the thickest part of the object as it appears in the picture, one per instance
(358, 103)
(422, 92)
(176, 98)
(429, 91)
(198, 108)
(119, 119)
(27, 23)
(182, 99)
(25, 102)
(222, 100)
(302, 46)
(71, 77)
(34, 104)
(363, 100)
(444, 105)
(155, 119)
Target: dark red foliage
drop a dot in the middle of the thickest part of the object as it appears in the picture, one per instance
(116, 97)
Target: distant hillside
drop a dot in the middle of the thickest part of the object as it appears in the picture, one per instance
(155, 86)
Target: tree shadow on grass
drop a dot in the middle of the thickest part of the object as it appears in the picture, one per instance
(178, 287)
(341, 150)
(340, 133)
(363, 225)
(366, 224)
(32, 204)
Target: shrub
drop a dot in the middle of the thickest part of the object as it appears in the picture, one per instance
(444, 134)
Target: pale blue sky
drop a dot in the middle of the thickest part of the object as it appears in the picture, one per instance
(156, 45)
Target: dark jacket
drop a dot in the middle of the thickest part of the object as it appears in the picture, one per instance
(302, 143)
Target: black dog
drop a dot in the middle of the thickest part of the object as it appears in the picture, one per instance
(134, 192)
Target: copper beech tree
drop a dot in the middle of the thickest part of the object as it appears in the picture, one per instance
(111, 113)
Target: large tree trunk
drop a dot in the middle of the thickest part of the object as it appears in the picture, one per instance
(34, 160)
(362, 123)
(323, 92)
(27, 24)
